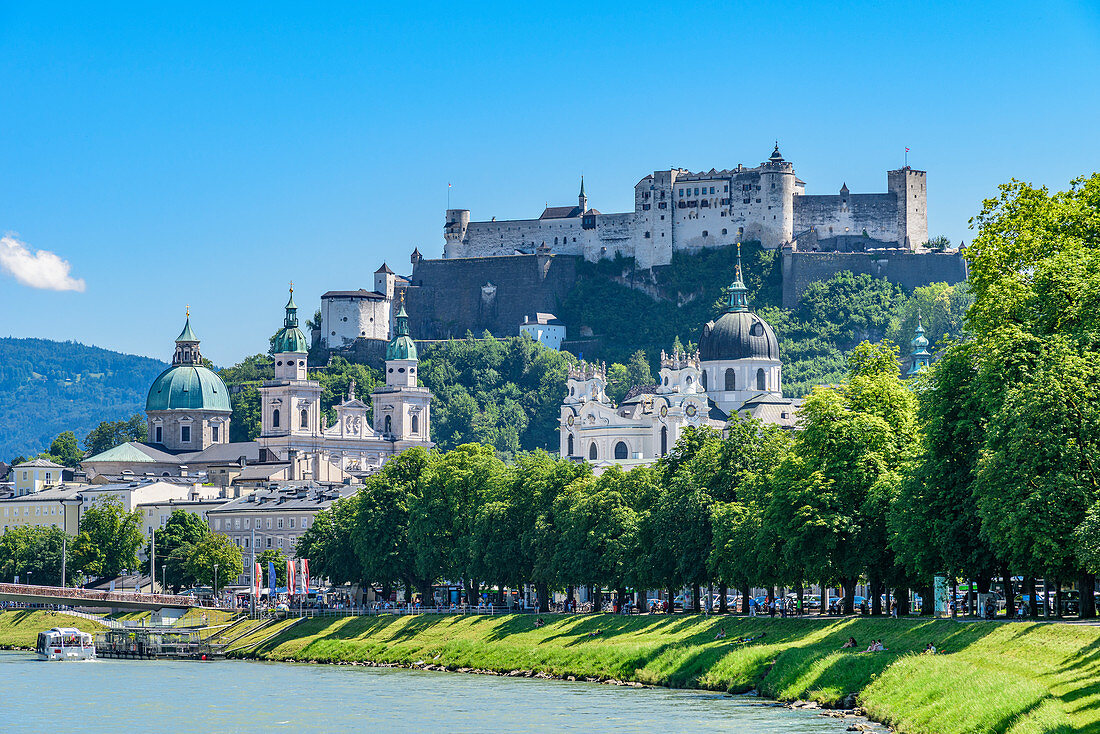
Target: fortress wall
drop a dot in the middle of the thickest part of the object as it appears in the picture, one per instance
(834, 215)
(907, 269)
(448, 297)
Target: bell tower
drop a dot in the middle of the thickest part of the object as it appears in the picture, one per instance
(402, 409)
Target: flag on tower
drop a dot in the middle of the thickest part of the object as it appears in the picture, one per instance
(906, 150)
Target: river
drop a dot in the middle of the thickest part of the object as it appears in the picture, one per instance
(234, 696)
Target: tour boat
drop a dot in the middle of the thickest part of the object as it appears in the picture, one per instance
(65, 643)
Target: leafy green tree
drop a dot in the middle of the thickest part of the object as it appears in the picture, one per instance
(329, 544)
(33, 553)
(181, 529)
(109, 434)
(215, 550)
(108, 538)
(66, 450)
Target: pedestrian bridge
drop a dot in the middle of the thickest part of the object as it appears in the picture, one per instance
(28, 594)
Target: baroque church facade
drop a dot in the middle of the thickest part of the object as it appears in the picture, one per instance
(736, 373)
(188, 411)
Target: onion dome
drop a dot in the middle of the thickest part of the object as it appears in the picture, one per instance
(290, 338)
(776, 156)
(187, 384)
(738, 333)
(401, 346)
(920, 358)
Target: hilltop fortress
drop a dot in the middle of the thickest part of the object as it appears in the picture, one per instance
(678, 210)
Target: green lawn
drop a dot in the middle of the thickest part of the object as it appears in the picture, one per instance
(20, 628)
(990, 677)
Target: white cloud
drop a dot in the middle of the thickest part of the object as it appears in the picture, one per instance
(42, 269)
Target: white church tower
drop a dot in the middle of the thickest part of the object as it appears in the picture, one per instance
(402, 409)
(291, 402)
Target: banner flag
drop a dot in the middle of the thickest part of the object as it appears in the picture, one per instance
(257, 581)
(271, 578)
(290, 576)
(305, 574)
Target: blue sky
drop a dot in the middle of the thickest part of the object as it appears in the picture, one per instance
(210, 154)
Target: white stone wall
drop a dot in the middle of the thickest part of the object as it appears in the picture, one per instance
(549, 335)
(347, 318)
(745, 373)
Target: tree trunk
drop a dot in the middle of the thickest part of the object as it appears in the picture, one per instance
(1086, 585)
(695, 599)
(723, 607)
(639, 600)
(426, 599)
(746, 594)
(1057, 598)
(901, 596)
(671, 600)
(849, 586)
(542, 591)
(799, 606)
(1010, 592)
(1032, 602)
(927, 602)
(597, 598)
(876, 597)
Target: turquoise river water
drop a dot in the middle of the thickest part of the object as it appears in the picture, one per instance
(122, 696)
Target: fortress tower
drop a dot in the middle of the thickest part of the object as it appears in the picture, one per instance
(910, 187)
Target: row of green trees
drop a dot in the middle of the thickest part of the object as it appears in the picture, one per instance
(107, 543)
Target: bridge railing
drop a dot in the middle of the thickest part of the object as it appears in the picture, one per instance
(77, 595)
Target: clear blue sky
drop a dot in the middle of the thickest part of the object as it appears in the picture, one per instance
(209, 155)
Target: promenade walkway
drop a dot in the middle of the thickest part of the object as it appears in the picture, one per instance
(30, 594)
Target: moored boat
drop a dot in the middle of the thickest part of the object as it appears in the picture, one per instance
(65, 643)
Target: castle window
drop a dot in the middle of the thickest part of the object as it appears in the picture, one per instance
(569, 450)
(621, 451)
(275, 418)
(647, 235)
(706, 233)
(731, 379)
(761, 379)
(662, 205)
(185, 434)
(592, 451)
(712, 189)
(723, 229)
(726, 187)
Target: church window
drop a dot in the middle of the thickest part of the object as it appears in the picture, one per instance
(304, 419)
(416, 424)
(401, 370)
(664, 440)
(703, 379)
(569, 450)
(214, 434)
(592, 451)
(688, 380)
(757, 329)
(647, 235)
(159, 435)
(275, 418)
(389, 424)
(666, 381)
(731, 379)
(620, 450)
(391, 370)
(185, 434)
(279, 363)
(761, 379)
(301, 363)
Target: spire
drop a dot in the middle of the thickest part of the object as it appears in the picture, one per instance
(187, 344)
(739, 294)
(291, 320)
(582, 199)
(920, 356)
(582, 184)
(776, 156)
(187, 335)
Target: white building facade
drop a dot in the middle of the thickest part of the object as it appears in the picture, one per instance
(677, 209)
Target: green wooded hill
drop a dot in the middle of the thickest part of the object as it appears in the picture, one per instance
(47, 387)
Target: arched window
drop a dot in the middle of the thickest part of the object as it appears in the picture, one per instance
(305, 419)
(389, 425)
(703, 379)
(621, 450)
(761, 379)
(688, 380)
(416, 424)
(275, 418)
(592, 451)
(664, 440)
(569, 450)
(731, 379)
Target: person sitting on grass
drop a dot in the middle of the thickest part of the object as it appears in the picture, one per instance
(721, 634)
(594, 633)
(539, 622)
(875, 646)
(930, 649)
(850, 643)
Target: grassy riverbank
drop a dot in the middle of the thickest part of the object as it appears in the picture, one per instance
(20, 628)
(993, 677)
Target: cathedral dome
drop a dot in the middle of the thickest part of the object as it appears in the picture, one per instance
(188, 387)
(290, 338)
(738, 335)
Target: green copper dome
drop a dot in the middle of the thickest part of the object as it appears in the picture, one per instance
(401, 346)
(290, 338)
(188, 387)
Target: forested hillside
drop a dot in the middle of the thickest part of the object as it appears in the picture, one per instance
(48, 387)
